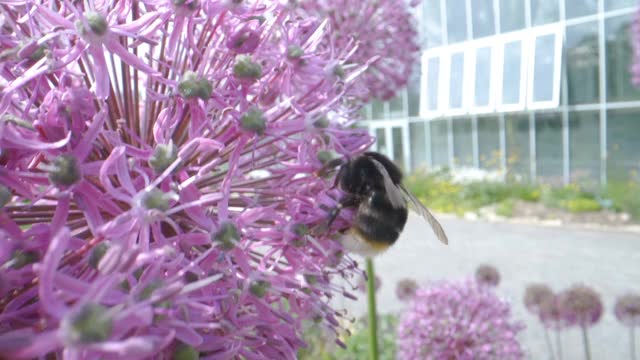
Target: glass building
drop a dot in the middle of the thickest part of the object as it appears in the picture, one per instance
(540, 89)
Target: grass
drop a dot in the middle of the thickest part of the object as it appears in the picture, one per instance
(441, 194)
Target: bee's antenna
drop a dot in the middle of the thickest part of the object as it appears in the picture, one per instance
(329, 167)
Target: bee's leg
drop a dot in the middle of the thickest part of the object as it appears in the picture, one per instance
(347, 201)
(330, 166)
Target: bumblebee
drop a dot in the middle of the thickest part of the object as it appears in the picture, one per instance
(372, 184)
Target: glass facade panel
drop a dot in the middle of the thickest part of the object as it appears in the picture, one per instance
(381, 141)
(619, 58)
(456, 21)
(431, 24)
(462, 142)
(440, 143)
(511, 15)
(584, 148)
(413, 94)
(619, 4)
(489, 142)
(398, 151)
(574, 8)
(456, 84)
(623, 146)
(512, 71)
(377, 110)
(517, 143)
(544, 12)
(582, 63)
(396, 106)
(549, 148)
(543, 68)
(433, 72)
(482, 77)
(418, 135)
(483, 18)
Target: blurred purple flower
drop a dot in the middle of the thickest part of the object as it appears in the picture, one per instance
(362, 283)
(535, 297)
(406, 289)
(487, 275)
(627, 310)
(458, 320)
(580, 305)
(383, 30)
(158, 193)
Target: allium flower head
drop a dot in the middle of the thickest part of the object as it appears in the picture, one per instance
(458, 320)
(406, 289)
(580, 305)
(384, 30)
(535, 296)
(627, 309)
(158, 187)
(487, 275)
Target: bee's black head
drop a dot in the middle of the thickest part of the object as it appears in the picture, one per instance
(362, 175)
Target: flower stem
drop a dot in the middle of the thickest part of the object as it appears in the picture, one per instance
(373, 315)
(548, 341)
(559, 344)
(585, 341)
(633, 342)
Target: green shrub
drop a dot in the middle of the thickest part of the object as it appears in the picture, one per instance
(579, 205)
(505, 208)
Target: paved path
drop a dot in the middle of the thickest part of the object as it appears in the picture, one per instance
(608, 261)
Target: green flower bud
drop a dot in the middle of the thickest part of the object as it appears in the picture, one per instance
(321, 122)
(191, 87)
(300, 229)
(97, 254)
(246, 68)
(155, 199)
(163, 156)
(324, 156)
(338, 71)
(148, 290)
(311, 279)
(227, 236)
(259, 288)
(65, 171)
(90, 325)
(97, 24)
(254, 121)
(185, 352)
(294, 52)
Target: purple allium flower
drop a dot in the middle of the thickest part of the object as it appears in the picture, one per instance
(487, 275)
(627, 310)
(580, 305)
(535, 297)
(406, 289)
(458, 320)
(384, 30)
(158, 183)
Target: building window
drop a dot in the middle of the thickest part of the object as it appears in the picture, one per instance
(482, 80)
(511, 15)
(455, 103)
(483, 18)
(430, 85)
(544, 12)
(396, 105)
(398, 151)
(418, 135)
(583, 63)
(584, 148)
(619, 57)
(440, 142)
(462, 142)
(619, 4)
(623, 147)
(381, 141)
(377, 110)
(513, 66)
(431, 24)
(580, 8)
(517, 144)
(549, 163)
(544, 72)
(456, 21)
(489, 154)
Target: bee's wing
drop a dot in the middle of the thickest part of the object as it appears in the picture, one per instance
(394, 193)
(425, 214)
